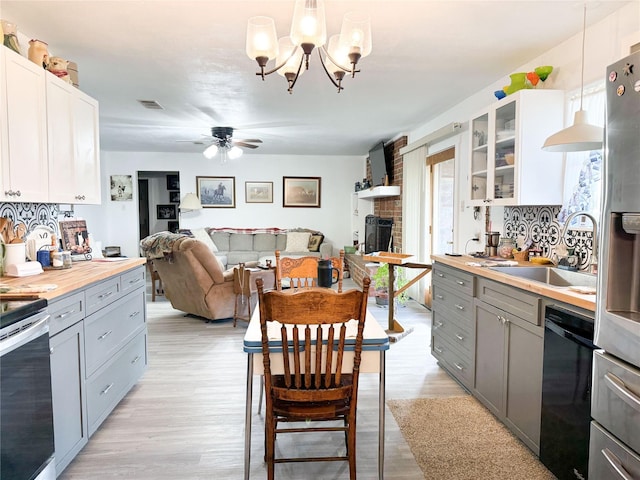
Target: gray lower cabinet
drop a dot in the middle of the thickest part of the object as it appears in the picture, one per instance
(69, 396)
(508, 359)
(490, 337)
(452, 322)
(98, 339)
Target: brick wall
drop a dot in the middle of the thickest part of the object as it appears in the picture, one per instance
(391, 207)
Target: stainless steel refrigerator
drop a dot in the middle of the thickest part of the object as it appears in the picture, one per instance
(614, 450)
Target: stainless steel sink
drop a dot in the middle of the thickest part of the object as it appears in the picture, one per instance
(556, 277)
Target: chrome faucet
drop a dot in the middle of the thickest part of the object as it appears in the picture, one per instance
(593, 258)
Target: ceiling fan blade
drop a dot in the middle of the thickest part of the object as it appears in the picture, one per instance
(243, 144)
(252, 140)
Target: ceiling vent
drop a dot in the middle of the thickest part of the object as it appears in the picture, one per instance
(151, 104)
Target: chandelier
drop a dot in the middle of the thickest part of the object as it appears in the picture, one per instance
(338, 56)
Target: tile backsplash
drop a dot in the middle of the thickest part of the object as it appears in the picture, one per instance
(540, 224)
(32, 214)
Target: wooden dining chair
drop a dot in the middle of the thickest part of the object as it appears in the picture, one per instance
(302, 272)
(319, 379)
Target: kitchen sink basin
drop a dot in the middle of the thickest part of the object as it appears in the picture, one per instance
(552, 276)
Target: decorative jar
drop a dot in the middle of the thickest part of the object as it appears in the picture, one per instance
(506, 246)
(10, 34)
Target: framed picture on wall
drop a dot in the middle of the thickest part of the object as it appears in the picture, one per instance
(121, 188)
(173, 182)
(173, 226)
(301, 192)
(174, 197)
(258, 192)
(166, 212)
(216, 192)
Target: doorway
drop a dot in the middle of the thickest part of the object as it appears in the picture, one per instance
(158, 201)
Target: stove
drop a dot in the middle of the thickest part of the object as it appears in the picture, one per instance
(14, 310)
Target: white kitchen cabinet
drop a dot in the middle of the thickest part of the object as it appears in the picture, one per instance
(23, 130)
(73, 146)
(507, 165)
(49, 137)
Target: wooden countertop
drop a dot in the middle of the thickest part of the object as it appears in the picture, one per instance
(562, 294)
(78, 276)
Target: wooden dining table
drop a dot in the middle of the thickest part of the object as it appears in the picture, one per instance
(374, 346)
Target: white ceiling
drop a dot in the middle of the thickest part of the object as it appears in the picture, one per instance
(189, 56)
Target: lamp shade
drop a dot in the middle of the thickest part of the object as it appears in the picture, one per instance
(579, 137)
(309, 23)
(356, 33)
(262, 40)
(234, 152)
(338, 52)
(290, 62)
(189, 203)
(210, 151)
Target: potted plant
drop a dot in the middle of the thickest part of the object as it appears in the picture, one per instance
(380, 280)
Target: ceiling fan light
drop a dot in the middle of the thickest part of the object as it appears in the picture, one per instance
(210, 151)
(262, 40)
(579, 137)
(289, 60)
(234, 152)
(309, 24)
(356, 33)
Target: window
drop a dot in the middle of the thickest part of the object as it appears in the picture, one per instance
(583, 170)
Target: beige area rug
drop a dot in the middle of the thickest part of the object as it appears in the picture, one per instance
(456, 438)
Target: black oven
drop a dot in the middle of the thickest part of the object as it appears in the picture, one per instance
(26, 413)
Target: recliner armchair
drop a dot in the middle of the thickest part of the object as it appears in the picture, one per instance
(194, 280)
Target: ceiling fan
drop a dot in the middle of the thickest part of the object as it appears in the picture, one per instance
(222, 141)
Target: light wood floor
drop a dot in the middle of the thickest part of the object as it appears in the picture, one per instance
(185, 418)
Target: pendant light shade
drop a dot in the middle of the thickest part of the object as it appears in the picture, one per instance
(309, 25)
(581, 136)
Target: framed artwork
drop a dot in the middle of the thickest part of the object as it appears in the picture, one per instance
(121, 188)
(216, 192)
(166, 212)
(258, 192)
(301, 192)
(174, 197)
(173, 226)
(75, 236)
(173, 182)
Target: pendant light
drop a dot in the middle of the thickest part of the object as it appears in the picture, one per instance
(581, 136)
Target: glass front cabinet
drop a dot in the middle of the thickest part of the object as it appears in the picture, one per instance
(508, 166)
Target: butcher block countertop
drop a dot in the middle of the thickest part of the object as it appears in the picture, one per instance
(80, 275)
(562, 294)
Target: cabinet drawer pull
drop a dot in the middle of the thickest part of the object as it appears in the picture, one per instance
(616, 464)
(459, 337)
(135, 360)
(65, 314)
(134, 314)
(105, 295)
(108, 387)
(439, 297)
(441, 275)
(458, 366)
(460, 282)
(437, 349)
(459, 307)
(437, 325)
(105, 335)
(80, 197)
(620, 389)
(131, 282)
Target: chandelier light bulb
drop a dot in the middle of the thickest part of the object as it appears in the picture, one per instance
(262, 41)
(309, 25)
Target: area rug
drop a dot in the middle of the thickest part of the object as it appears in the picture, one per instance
(456, 438)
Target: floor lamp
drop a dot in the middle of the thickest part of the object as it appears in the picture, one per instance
(189, 203)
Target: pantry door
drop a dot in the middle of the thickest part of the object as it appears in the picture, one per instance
(442, 176)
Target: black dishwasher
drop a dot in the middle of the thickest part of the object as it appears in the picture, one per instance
(566, 393)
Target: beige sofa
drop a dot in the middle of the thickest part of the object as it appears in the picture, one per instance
(194, 279)
(233, 246)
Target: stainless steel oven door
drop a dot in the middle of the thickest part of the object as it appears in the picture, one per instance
(26, 412)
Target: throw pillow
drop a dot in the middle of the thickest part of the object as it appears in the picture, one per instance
(298, 241)
(202, 235)
(314, 242)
